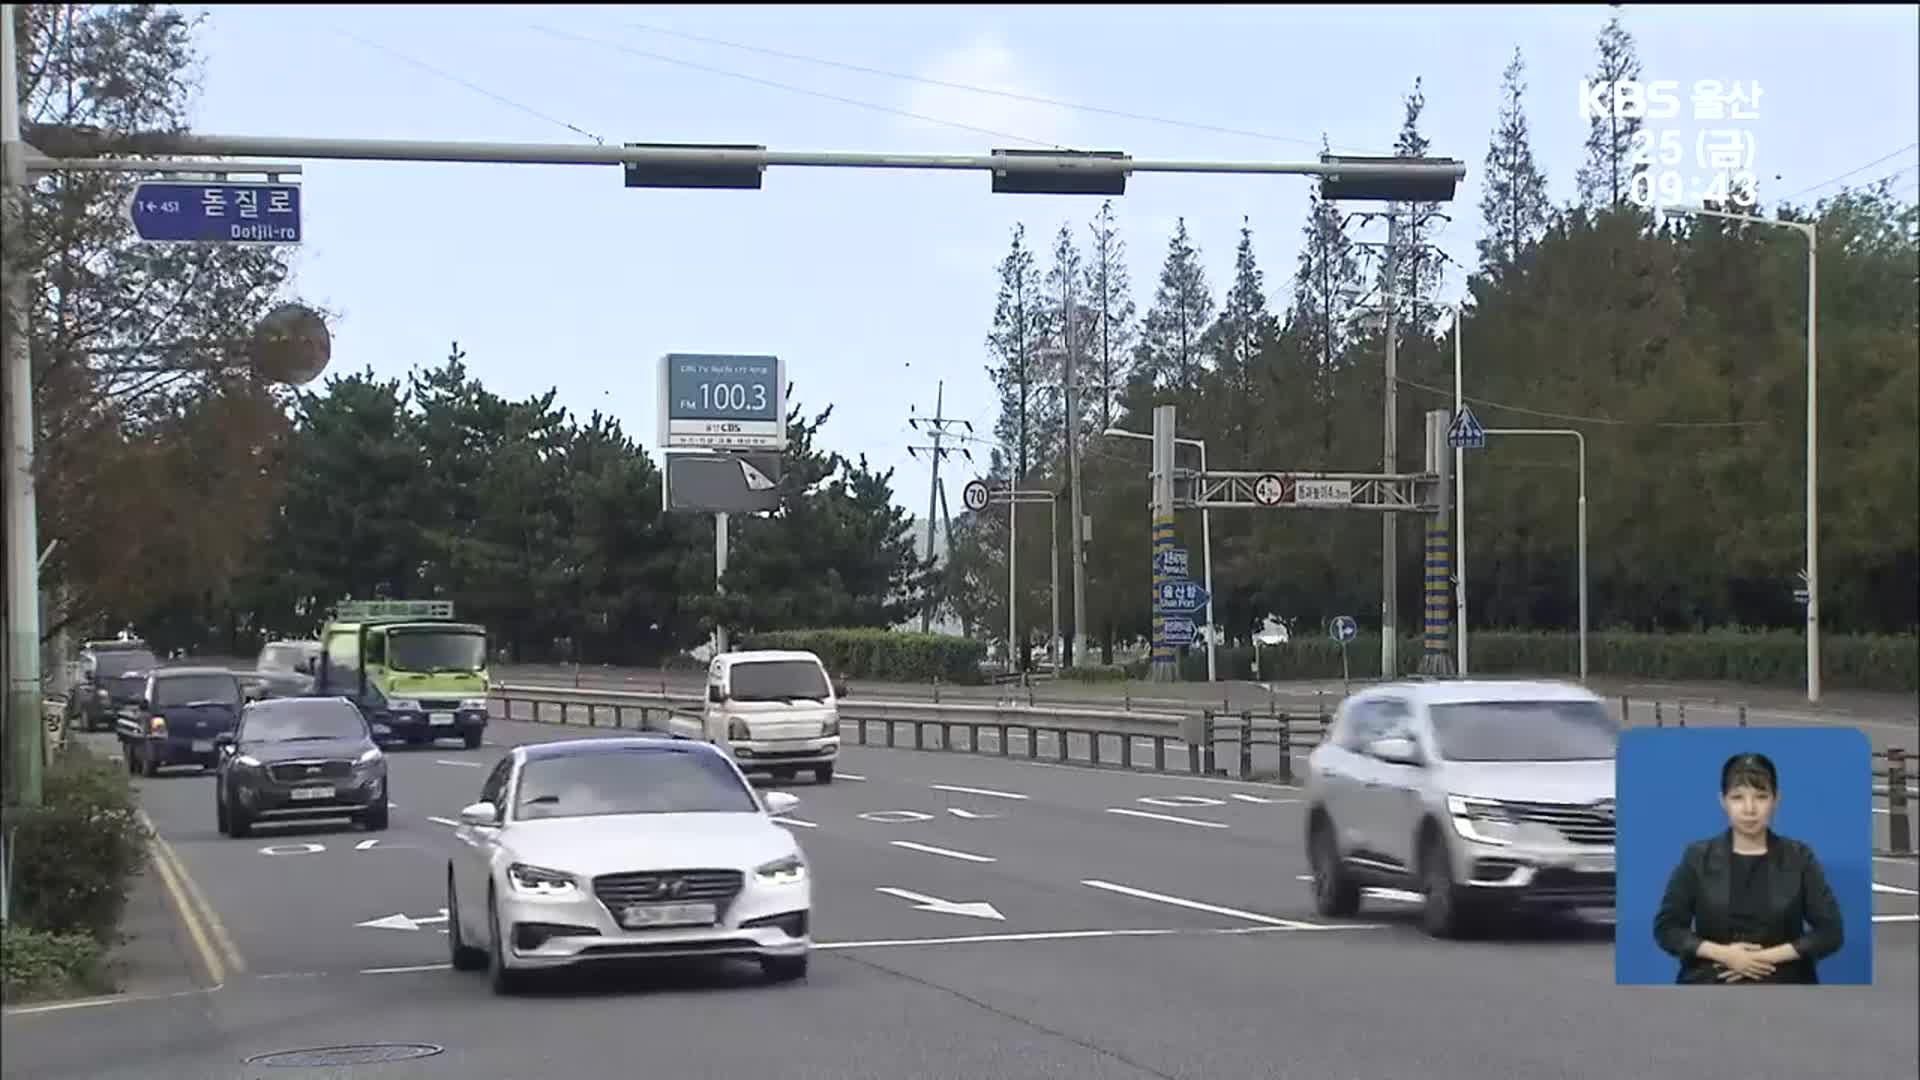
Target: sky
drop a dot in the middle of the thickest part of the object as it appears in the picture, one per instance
(878, 286)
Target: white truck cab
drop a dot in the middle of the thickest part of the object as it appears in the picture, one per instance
(774, 711)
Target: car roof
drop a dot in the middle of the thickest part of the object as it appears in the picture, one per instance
(1461, 691)
(290, 704)
(762, 655)
(581, 747)
(167, 673)
(115, 645)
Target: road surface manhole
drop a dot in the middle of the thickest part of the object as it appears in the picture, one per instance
(362, 1054)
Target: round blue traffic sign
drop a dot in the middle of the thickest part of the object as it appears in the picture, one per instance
(1344, 629)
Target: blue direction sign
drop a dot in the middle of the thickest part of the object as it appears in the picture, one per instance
(210, 212)
(1182, 595)
(1177, 630)
(1343, 629)
(1171, 563)
(1466, 432)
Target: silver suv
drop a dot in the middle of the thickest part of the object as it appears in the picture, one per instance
(1477, 795)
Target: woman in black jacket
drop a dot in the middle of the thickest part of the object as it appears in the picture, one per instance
(1748, 905)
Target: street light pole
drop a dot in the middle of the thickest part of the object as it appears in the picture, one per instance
(1206, 537)
(1459, 516)
(1810, 231)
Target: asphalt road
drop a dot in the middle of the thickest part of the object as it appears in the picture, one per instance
(1179, 945)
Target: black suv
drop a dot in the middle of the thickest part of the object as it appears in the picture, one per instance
(176, 716)
(113, 676)
(296, 758)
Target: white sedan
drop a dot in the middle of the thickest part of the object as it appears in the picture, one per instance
(624, 849)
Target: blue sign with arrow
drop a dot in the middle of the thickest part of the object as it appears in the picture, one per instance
(1171, 562)
(173, 212)
(1177, 630)
(1182, 595)
(1343, 629)
(1466, 432)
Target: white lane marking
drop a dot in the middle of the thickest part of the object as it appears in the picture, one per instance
(1894, 889)
(444, 821)
(855, 777)
(405, 970)
(1165, 817)
(1177, 801)
(366, 845)
(1896, 918)
(293, 975)
(462, 764)
(1882, 810)
(796, 821)
(105, 999)
(931, 850)
(1244, 797)
(1250, 916)
(1383, 893)
(969, 815)
(895, 817)
(990, 793)
(1109, 772)
(1897, 860)
(293, 849)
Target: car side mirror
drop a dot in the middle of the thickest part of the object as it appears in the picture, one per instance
(716, 694)
(483, 814)
(1399, 751)
(780, 802)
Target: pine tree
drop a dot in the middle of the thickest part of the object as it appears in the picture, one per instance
(1514, 202)
(1323, 286)
(1412, 254)
(1169, 349)
(1607, 177)
(1241, 335)
(1017, 344)
(1111, 309)
(1067, 319)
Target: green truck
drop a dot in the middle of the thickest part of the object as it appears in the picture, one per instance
(417, 674)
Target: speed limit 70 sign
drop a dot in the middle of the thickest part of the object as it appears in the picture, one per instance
(974, 496)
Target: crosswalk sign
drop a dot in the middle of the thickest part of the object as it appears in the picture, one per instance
(1466, 433)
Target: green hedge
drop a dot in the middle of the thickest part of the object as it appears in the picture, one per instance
(887, 655)
(1762, 658)
(1102, 673)
(74, 858)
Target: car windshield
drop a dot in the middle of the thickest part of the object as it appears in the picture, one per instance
(1525, 731)
(304, 721)
(431, 651)
(196, 690)
(663, 780)
(113, 664)
(284, 657)
(778, 680)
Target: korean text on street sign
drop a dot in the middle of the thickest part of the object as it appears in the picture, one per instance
(1177, 630)
(1182, 595)
(1171, 562)
(723, 402)
(215, 212)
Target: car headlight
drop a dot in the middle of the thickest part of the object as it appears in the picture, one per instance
(1482, 820)
(473, 703)
(369, 757)
(788, 871)
(830, 726)
(102, 695)
(247, 760)
(539, 881)
(403, 705)
(737, 731)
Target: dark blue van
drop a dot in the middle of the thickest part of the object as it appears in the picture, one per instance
(177, 717)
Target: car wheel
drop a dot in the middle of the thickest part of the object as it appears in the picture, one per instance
(220, 810)
(504, 979)
(784, 968)
(150, 761)
(377, 816)
(464, 956)
(472, 739)
(133, 763)
(1335, 894)
(823, 775)
(239, 823)
(1442, 913)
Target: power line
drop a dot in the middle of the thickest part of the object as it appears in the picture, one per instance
(937, 428)
(790, 88)
(1852, 172)
(475, 87)
(1032, 99)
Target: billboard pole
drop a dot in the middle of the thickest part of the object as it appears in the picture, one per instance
(720, 579)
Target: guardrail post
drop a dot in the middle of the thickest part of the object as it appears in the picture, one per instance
(1285, 740)
(1206, 742)
(1682, 706)
(919, 734)
(1246, 744)
(1659, 718)
(1159, 753)
(1626, 712)
(946, 735)
(1126, 749)
(1060, 734)
(1093, 747)
(1004, 750)
(889, 722)
(1899, 825)
(1743, 714)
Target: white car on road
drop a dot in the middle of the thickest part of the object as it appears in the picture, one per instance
(624, 849)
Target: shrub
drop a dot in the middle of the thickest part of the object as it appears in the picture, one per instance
(1096, 673)
(74, 855)
(889, 655)
(35, 964)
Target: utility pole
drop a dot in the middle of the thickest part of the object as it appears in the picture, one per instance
(23, 531)
(1389, 521)
(1076, 529)
(937, 427)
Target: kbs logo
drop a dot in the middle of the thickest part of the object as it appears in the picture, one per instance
(1655, 99)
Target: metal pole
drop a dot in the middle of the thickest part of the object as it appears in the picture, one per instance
(1015, 662)
(933, 490)
(1165, 666)
(1206, 555)
(719, 579)
(1389, 521)
(1053, 587)
(1813, 467)
(24, 726)
(1459, 516)
(1079, 551)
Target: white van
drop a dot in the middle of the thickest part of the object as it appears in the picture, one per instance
(776, 712)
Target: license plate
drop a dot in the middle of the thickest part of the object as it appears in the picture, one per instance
(203, 746)
(1597, 864)
(308, 794)
(440, 719)
(643, 916)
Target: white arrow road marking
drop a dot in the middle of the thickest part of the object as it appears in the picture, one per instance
(366, 845)
(968, 814)
(931, 850)
(1243, 797)
(1166, 817)
(444, 821)
(796, 821)
(849, 776)
(991, 794)
(1896, 918)
(404, 922)
(1894, 889)
(978, 909)
(462, 764)
(1250, 916)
